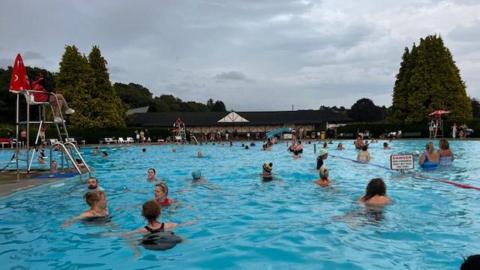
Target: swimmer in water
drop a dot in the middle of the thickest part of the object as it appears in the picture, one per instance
(152, 176)
(430, 158)
(199, 154)
(446, 155)
(104, 154)
(92, 184)
(98, 207)
(324, 181)
(364, 156)
(376, 193)
(161, 195)
(174, 150)
(80, 163)
(385, 146)
(340, 146)
(267, 171)
(53, 166)
(144, 150)
(322, 155)
(95, 151)
(151, 211)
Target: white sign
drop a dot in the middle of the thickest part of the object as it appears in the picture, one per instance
(401, 162)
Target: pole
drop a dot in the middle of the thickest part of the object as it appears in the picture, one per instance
(17, 148)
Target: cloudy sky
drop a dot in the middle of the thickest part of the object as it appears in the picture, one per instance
(253, 55)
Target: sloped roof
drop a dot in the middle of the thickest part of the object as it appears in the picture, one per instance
(166, 119)
(137, 110)
(233, 117)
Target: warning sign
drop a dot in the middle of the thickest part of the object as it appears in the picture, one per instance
(401, 162)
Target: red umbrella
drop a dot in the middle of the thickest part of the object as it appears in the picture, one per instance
(439, 113)
(19, 79)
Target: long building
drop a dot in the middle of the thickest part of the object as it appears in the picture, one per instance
(305, 122)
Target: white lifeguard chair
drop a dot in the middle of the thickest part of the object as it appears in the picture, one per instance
(20, 85)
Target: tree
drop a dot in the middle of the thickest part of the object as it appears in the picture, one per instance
(429, 80)
(364, 110)
(75, 80)
(218, 106)
(133, 95)
(475, 108)
(107, 110)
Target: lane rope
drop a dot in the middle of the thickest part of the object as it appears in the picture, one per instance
(414, 175)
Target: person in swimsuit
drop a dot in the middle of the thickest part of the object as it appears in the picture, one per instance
(385, 146)
(430, 158)
(322, 155)
(376, 193)
(364, 156)
(340, 146)
(267, 171)
(324, 180)
(359, 143)
(446, 155)
(161, 195)
(151, 211)
(98, 207)
(152, 176)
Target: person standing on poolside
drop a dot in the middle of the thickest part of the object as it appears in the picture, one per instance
(454, 130)
(375, 194)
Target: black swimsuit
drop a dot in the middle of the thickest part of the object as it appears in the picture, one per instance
(161, 229)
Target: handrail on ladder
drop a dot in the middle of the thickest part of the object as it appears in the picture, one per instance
(69, 156)
(80, 155)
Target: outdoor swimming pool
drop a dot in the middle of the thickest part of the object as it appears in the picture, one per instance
(287, 223)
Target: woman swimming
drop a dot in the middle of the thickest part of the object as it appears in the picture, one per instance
(375, 194)
(430, 158)
(446, 155)
(161, 195)
(151, 212)
(152, 175)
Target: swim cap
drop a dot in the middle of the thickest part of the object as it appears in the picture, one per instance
(267, 167)
(322, 152)
(197, 174)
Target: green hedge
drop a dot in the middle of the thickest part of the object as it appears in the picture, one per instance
(377, 129)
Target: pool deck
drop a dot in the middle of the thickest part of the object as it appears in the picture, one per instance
(10, 184)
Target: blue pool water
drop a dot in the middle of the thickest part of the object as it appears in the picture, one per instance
(246, 224)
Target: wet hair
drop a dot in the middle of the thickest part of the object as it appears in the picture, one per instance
(152, 169)
(376, 186)
(93, 197)
(144, 150)
(471, 263)
(151, 211)
(385, 144)
(163, 187)
(365, 148)
(105, 153)
(427, 147)
(444, 145)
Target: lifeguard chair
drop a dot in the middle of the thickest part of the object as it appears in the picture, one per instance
(435, 126)
(20, 86)
(179, 131)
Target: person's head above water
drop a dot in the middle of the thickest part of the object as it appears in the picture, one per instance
(144, 150)
(376, 187)
(151, 173)
(161, 190)
(429, 147)
(92, 183)
(267, 167)
(443, 144)
(196, 175)
(104, 154)
(365, 147)
(151, 211)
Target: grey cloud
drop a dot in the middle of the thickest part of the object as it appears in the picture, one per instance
(232, 76)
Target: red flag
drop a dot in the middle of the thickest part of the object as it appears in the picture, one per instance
(19, 79)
